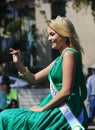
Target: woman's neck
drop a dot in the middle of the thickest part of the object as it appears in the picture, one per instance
(63, 49)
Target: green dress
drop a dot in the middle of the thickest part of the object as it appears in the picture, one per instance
(52, 119)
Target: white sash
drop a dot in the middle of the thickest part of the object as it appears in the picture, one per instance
(72, 120)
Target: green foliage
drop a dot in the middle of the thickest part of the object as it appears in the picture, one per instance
(12, 29)
(78, 4)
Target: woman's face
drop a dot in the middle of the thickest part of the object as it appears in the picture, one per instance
(57, 41)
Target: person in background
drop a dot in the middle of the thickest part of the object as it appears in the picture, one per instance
(63, 108)
(11, 93)
(2, 98)
(90, 101)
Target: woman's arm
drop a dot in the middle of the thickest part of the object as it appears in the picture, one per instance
(39, 76)
(26, 74)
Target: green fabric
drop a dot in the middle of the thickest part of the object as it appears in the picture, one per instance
(52, 119)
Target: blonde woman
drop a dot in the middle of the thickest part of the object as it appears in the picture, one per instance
(63, 108)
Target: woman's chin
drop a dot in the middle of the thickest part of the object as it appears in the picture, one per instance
(54, 47)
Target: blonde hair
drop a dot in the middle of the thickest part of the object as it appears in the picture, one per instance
(64, 27)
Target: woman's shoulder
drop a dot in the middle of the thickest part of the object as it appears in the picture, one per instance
(71, 51)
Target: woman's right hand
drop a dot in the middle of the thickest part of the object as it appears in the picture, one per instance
(16, 54)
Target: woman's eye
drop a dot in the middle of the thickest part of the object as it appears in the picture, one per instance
(52, 34)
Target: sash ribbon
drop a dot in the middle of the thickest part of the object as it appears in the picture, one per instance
(64, 108)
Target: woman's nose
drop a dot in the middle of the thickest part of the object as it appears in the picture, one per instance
(49, 38)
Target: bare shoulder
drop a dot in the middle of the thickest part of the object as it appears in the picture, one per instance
(69, 58)
(69, 62)
(69, 53)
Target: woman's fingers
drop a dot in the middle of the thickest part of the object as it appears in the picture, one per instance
(14, 52)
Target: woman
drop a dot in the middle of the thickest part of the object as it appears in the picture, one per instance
(66, 79)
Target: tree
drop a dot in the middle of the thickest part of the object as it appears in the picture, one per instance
(11, 25)
(78, 4)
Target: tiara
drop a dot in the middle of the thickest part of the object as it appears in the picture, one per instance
(59, 19)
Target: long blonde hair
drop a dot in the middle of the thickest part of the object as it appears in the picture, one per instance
(64, 27)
